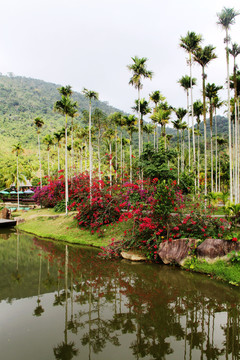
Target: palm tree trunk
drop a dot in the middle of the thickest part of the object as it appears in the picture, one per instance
(235, 156)
(130, 159)
(139, 125)
(216, 154)
(66, 169)
(17, 186)
(85, 156)
(205, 133)
(90, 151)
(121, 158)
(58, 159)
(99, 157)
(198, 161)
(211, 141)
(48, 165)
(189, 146)
(72, 153)
(193, 136)
(110, 163)
(40, 165)
(229, 120)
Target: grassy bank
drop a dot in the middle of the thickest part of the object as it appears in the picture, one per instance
(219, 269)
(46, 223)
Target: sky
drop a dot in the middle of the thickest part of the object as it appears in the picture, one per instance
(90, 43)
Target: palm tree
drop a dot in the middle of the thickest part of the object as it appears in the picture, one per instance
(198, 111)
(99, 118)
(235, 51)
(180, 113)
(139, 70)
(39, 123)
(190, 43)
(156, 97)
(131, 122)
(66, 107)
(109, 135)
(17, 149)
(148, 129)
(203, 56)
(177, 125)
(226, 18)
(48, 140)
(211, 93)
(58, 136)
(185, 83)
(90, 95)
(120, 121)
(220, 141)
(144, 110)
(217, 103)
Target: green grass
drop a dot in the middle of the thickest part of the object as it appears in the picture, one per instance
(220, 269)
(65, 228)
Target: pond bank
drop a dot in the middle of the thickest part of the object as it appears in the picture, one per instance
(48, 224)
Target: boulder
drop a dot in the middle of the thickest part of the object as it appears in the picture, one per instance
(176, 251)
(213, 248)
(6, 214)
(133, 256)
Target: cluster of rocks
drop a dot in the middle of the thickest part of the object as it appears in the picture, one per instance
(177, 251)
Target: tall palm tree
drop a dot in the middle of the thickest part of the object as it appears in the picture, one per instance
(90, 95)
(185, 83)
(66, 107)
(17, 149)
(38, 121)
(131, 122)
(109, 135)
(217, 103)
(211, 93)
(144, 110)
(177, 125)
(156, 97)
(48, 140)
(99, 118)
(139, 72)
(58, 136)
(190, 43)
(203, 56)
(198, 111)
(120, 122)
(235, 51)
(180, 113)
(226, 18)
(148, 129)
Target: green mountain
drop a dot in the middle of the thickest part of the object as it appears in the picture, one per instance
(23, 99)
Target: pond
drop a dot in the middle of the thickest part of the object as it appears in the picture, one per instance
(64, 302)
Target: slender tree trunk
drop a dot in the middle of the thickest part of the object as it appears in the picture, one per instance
(229, 120)
(235, 156)
(157, 136)
(85, 156)
(130, 160)
(198, 161)
(211, 115)
(193, 135)
(216, 154)
(72, 152)
(110, 163)
(48, 165)
(40, 165)
(205, 133)
(139, 124)
(178, 155)
(99, 157)
(17, 186)
(121, 158)
(66, 169)
(90, 150)
(58, 159)
(189, 143)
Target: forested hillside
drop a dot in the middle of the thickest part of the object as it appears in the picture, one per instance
(22, 99)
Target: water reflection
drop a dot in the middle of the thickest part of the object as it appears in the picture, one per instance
(89, 308)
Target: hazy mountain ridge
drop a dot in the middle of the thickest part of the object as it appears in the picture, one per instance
(22, 99)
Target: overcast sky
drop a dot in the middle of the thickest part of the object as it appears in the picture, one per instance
(90, 43)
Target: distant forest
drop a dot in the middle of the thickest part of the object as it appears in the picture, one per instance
(23, 99)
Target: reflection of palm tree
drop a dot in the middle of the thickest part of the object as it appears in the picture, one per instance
(39, 309)
(65, 350)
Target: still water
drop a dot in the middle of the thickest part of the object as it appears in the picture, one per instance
(63, 302)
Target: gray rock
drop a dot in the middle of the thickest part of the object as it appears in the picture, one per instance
(176, 251)
(213, 248)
